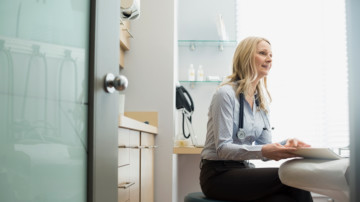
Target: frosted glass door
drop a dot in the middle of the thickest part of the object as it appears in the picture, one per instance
(43, 100)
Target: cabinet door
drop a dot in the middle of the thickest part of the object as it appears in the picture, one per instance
(124, 183)
(147, 167)
(124, 147)
(135, 166)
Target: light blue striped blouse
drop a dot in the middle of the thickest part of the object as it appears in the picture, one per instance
(222, 142)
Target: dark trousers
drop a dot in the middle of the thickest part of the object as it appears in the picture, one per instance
(237, 181)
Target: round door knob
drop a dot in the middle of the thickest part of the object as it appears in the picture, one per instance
(113, 83)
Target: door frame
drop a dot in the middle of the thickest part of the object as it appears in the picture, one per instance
(353, 47)
(103, 107)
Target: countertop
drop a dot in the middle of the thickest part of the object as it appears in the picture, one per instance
(187, 150)
(126, 122)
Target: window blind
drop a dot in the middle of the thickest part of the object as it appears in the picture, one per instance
(308, 80)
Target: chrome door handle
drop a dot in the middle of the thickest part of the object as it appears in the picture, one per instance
(113, 83)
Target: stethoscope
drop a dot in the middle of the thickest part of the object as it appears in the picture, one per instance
(241, 132)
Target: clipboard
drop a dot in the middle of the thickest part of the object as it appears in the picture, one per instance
(316, 153)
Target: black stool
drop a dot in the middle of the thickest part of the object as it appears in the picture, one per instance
(199, 197)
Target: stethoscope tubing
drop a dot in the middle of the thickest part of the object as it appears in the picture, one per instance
(241, 113)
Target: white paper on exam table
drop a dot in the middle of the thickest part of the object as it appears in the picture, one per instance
(316, 153)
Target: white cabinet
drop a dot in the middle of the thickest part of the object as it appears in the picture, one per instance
(135, 165)
(124, 182)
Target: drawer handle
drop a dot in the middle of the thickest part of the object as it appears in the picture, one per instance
(131, 147)
(150, 147)
(136, 147)
(126, 185)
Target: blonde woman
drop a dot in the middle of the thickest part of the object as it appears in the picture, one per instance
(239, 129)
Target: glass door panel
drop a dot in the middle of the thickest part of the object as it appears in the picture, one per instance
(43, 100)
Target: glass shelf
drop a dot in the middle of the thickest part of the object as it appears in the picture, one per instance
(183, 81)
(207, 42)
(192, 44)
(192, 84)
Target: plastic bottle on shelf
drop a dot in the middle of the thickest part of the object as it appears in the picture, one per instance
(200, 73)
(191, 76)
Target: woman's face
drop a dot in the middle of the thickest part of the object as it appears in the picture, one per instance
(263, 59)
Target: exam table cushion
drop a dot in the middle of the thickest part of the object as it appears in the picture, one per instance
(327, 177)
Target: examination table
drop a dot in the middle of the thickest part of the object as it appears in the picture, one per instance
(326, 177)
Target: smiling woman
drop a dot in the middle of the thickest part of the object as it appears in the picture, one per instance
(237, 132)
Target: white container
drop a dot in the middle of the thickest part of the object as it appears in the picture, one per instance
(200, 74)
(191, 73)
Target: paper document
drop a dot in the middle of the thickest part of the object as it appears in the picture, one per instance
(316, 153)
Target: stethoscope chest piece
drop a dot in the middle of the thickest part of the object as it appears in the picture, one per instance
(241, 133)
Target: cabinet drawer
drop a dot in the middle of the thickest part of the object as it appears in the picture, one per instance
(147, 139)
(123, 156)
(135, 175)
(134, 138)
(123, 137)
(135, 166)
(123, 195)
(124, 183)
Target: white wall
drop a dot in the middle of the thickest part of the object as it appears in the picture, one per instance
(196, 19)
(149, 67)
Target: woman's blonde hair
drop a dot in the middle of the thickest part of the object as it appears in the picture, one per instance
(244, 71)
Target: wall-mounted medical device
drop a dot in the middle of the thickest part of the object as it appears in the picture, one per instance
(130, 9)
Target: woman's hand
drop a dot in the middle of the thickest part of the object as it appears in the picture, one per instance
(277, 151)
(293, 142)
